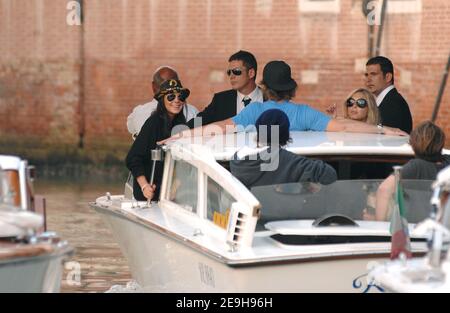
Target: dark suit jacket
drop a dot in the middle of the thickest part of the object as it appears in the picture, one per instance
(222, 107)
(138, 160)
(395, 112)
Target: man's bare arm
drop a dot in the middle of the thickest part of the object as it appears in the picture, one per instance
(384, 194)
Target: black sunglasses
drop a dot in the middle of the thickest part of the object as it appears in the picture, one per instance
(361, 103)
(182, 96)
(235, 71)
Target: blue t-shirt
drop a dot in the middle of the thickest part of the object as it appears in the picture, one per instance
(301, 116)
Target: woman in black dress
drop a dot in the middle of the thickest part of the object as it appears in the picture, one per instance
(169, 113)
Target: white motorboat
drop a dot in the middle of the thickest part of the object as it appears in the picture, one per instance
(431, 273)
(30, 259)
(209, 233)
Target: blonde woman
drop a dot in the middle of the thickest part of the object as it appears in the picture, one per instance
(360, 105)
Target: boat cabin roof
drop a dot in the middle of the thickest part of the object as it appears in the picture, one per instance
(309, 143)
(8, 162)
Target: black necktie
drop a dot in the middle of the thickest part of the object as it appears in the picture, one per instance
(246, 101)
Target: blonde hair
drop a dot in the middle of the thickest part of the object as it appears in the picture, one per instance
(373, 116)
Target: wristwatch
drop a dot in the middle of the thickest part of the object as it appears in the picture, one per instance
(380, 129)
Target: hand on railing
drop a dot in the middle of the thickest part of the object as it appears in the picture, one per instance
(149, 191)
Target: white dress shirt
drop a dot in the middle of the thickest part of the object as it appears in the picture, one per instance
(256, 96)
(383, 94)
(142, 112)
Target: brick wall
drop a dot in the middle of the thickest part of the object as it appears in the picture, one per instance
(39, 73)
(57, 80)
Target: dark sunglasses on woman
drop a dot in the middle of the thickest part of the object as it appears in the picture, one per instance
(361, 103)
(182, 96)
(235, 71)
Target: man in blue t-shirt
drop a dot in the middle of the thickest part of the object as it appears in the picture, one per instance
(301, 116)
(279, 88)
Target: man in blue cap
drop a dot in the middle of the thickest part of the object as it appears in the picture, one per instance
(262, 168)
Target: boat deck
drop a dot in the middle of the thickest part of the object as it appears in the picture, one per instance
(208, 238)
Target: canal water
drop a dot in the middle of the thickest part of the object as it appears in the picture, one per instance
(97, 258)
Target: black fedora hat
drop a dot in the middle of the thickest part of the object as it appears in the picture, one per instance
(277, 76)
(171, 86)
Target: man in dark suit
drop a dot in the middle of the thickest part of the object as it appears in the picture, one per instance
(394, 110)
(242, 68)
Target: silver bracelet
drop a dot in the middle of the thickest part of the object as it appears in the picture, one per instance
(380, 129)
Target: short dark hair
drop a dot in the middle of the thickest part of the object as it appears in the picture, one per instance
(385, 65)
(247, 59)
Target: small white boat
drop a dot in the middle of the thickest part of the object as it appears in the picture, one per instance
(431, 273)
(209, 233)
(30, 260)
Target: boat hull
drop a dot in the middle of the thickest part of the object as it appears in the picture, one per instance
(412, 276)
(160, 263)
(38, 274)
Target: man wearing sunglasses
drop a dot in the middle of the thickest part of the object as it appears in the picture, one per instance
(242, 68)
(379, 79)
(279, 89)
(142, 112)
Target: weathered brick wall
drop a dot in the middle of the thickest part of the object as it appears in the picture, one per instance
(42, 92)
(39, 73)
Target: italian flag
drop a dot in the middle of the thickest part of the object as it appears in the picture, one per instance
(400, 242)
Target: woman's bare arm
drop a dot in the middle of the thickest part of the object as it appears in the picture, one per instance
(384, 194)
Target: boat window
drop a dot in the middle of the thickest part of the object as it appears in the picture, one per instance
(219, 203)
(353, 198)
(183, 185)
(356, 166)
(3, 187)
(332, 239)
(9, 187)
(363, 166)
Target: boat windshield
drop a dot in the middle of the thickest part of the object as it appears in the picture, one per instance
(6, 195)
(182, 185)
(356, 199)
(2, 187)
